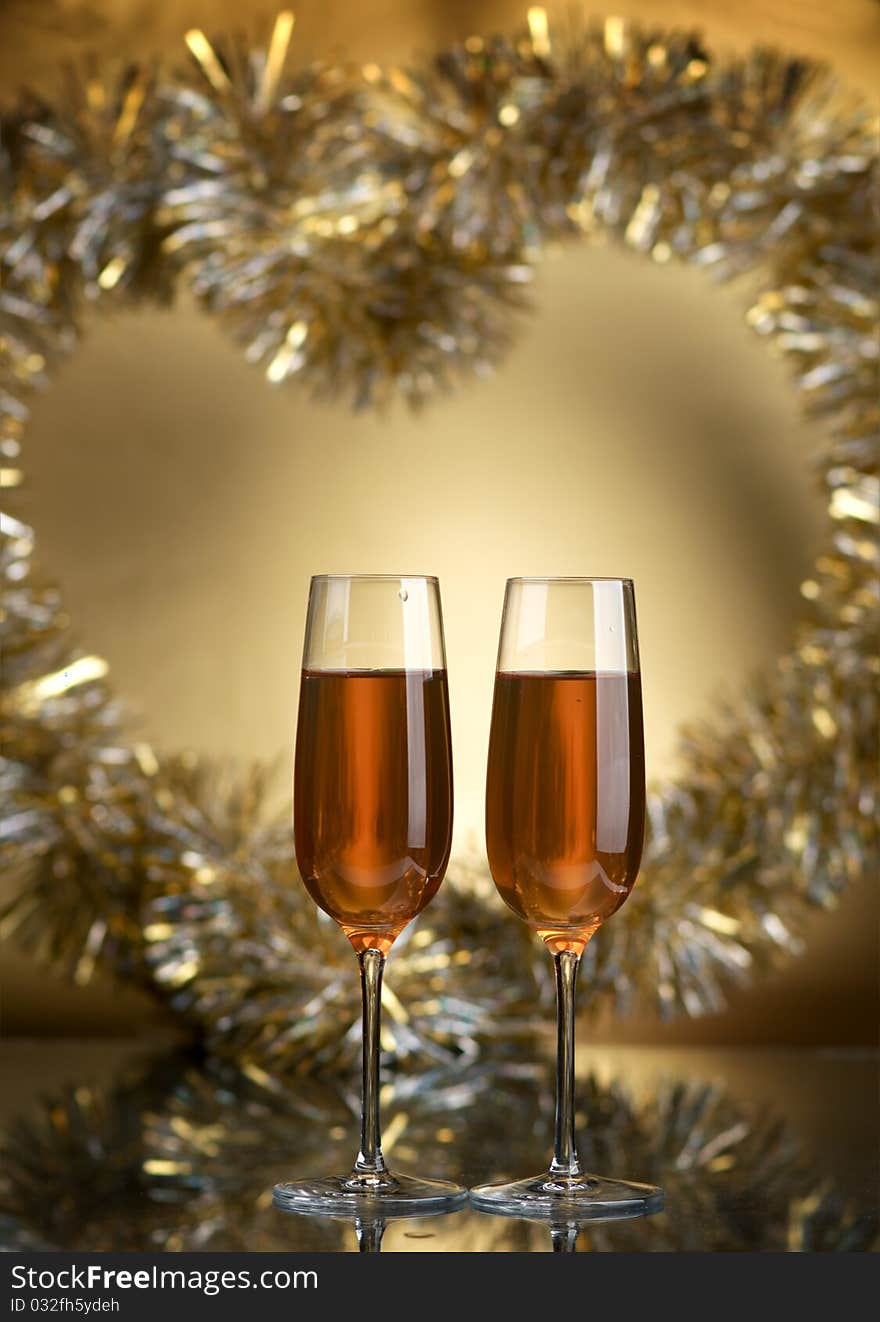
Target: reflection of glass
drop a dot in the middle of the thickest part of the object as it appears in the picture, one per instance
(372, 818)
(564, 1235)
(369, 1231)
(370, 1224)
(564, 1228)
(565, 823)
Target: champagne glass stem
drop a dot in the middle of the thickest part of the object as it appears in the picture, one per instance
(370, 1160)
(369, 1189)
(565, 1157)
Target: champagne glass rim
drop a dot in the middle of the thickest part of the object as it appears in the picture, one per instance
(569, 578)
(373, 578)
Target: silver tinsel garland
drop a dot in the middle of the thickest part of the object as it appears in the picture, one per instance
(367, 231)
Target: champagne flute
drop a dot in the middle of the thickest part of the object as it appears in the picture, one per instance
(565, 822)
(372, 820)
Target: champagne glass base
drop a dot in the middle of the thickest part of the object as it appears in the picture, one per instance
(337, 1195)
(580, 1197)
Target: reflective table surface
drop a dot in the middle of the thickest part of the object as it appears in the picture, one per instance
(111, 1145)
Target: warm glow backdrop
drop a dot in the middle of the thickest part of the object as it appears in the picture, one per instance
(637, 428)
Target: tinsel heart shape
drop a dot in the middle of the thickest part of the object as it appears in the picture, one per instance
(367, 231)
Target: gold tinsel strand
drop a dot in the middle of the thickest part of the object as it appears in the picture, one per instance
(366, 231)
(295, 222)
(94, 164)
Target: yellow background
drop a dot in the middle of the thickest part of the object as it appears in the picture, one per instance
(637, 428)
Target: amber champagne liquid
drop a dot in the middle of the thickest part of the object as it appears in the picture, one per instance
(565, 799)
(373, 796)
